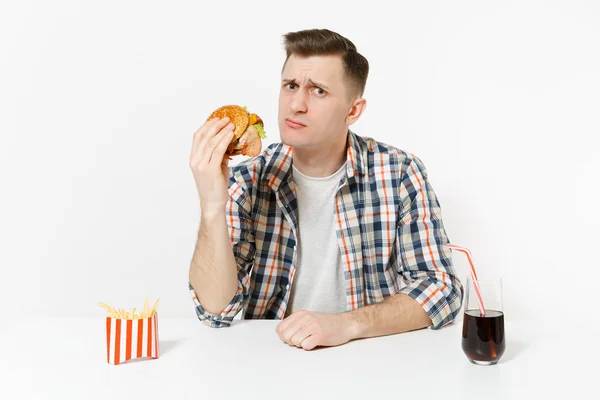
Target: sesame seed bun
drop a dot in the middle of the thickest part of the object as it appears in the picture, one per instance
(246, 140)
(237, 115)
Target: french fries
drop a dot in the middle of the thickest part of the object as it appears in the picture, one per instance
(120, 313)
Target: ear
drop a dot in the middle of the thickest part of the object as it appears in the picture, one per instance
(358, 106)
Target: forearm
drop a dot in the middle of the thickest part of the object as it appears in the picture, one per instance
(396, 314)
(213, 272)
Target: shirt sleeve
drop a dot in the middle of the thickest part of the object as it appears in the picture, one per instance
(425, 262)
(242, 237)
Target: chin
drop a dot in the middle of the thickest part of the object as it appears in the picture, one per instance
(287, 137)
(291, 138)
(287, 141)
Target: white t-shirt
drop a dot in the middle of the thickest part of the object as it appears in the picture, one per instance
(319, 283)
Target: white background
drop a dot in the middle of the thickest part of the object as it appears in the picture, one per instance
(99, 101)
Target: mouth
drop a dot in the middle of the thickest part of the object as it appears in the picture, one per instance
(294, 124)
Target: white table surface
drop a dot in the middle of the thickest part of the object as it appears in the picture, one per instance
(66, 359)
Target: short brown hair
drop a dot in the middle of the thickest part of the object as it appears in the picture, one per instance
(320, 42)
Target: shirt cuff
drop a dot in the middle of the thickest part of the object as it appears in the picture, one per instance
(222, 320)
(431, 297)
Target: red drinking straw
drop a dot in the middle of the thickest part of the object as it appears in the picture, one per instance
(473, 275)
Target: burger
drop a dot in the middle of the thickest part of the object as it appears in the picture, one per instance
(248, 133)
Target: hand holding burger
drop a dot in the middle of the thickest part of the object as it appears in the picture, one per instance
(248, 131)
(229, 131)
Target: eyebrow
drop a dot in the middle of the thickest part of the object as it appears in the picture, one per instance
(310, 81)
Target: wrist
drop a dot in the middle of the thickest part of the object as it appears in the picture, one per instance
(209, 216)
(354, 328)
(212, 211)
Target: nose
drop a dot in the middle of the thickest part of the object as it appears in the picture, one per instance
(298, 103)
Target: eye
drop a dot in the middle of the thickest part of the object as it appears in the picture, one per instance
(290, 86)
(320, 92)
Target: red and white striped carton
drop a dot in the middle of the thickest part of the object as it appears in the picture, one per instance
(127, 339)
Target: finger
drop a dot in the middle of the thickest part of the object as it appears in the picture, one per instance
(200, 136)
(283, 325)
(225, 165)
(218, 152)
(290, 331)
(209, 131)
(300, 336)
(310, 342)
(203, 128)
(206, 149)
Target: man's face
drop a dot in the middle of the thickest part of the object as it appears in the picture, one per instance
(314, 94)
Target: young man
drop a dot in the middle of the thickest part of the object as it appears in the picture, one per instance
(322, 229)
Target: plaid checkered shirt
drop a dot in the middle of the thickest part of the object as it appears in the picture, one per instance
(389, 231)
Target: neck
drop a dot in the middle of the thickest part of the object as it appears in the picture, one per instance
(320, 163)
